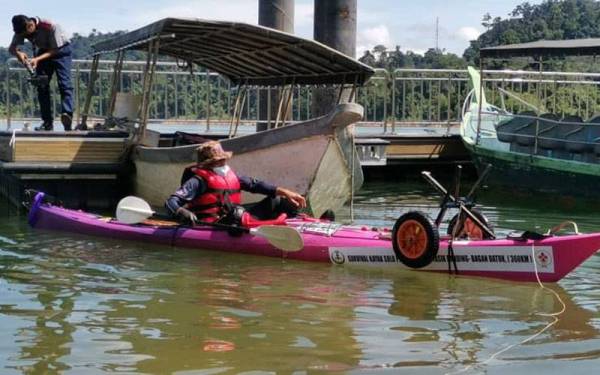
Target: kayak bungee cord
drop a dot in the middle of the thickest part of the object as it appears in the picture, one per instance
(553, 315)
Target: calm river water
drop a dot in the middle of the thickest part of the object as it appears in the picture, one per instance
(81, 305)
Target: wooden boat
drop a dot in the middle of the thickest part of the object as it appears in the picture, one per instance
(411, 244)
(316, 157)
(306, 157)
(531, 150)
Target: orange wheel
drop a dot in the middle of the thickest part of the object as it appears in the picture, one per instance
(415, 239)
(412, 239)
(470, 230)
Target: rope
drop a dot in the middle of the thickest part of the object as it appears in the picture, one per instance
(460, 222)
(13, 138)
(553, 315)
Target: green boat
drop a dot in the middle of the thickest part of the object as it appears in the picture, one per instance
(533, 150)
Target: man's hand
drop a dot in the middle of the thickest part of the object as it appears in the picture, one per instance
(34, 62)
(21, 56)
(296, 199)
(187, 214)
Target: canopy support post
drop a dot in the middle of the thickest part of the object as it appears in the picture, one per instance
(114, 82)
(289, 95)
(149, 69)
(207, 100)
(90, 90)
(282, 97)
(237, 110)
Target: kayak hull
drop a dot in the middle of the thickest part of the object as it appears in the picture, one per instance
(550, 259)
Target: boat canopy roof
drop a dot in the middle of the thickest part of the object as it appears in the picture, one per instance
(246, 54)
(549, 48)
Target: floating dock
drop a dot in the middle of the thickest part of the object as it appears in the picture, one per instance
(80, 169)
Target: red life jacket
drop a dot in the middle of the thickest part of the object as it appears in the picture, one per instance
(221, 193)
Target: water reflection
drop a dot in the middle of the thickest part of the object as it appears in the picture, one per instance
(455, 322)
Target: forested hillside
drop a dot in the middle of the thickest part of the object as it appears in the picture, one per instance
(552, 19)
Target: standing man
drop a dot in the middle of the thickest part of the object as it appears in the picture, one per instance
(52, 53)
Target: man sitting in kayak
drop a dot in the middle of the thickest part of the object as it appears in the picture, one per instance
(211, 192)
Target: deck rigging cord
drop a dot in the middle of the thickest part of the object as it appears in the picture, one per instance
(451, 258)
(554, 316)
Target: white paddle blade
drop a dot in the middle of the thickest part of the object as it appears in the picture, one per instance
(284, 238)
(133, 210)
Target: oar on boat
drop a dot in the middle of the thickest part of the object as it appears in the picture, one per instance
(133, 210)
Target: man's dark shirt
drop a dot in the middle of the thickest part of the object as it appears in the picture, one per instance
(196, 186)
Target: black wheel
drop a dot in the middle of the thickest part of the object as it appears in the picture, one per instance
(470, 229)
(415, 239)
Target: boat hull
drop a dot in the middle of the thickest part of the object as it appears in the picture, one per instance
(541, 174)
(307, 157)
(549, 259)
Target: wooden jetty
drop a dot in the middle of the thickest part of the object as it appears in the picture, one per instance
(81, 169)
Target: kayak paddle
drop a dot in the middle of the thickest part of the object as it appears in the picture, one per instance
(133, 210)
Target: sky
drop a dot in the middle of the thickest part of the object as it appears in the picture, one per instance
(408, 24)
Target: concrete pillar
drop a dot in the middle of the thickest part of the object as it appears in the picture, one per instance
(335, 26)
(279, 15)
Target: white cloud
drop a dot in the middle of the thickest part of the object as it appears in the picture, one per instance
(467, 33)
(231, 10)
(371, 36)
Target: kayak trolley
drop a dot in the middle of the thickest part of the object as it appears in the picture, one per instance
(415, 236)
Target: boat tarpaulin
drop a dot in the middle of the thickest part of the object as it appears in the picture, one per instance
(244, 53)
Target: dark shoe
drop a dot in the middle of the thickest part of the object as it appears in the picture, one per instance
(45, 126)
(66, 120)
(81, 127)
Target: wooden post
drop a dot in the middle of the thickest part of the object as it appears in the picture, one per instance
(77, 93)
(90, 91)
(207, 100)
(114, 81)
(153, 48)
(8, 107)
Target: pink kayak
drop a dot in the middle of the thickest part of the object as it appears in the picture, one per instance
(551, 257)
